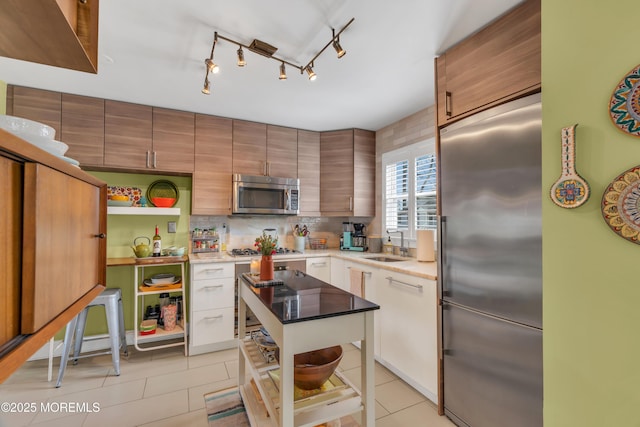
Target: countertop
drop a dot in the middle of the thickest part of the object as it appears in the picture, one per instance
(302, 298)
(426, 270)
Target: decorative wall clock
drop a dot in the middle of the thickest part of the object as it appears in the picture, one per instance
(621, 205)
(570, 190)
(624, 106)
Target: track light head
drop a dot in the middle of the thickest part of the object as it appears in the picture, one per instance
(211, 66)
(283, 72)
(312, 75)
(339, 50)
(207, 86)
(241, 61)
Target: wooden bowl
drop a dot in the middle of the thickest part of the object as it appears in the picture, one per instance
(312, 369)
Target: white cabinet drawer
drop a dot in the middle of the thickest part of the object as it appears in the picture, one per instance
(212, 326)
(213, 271)
(212, 293)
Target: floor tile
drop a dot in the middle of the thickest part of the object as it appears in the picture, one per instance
(397, 395)
(190, 419)
(422, 414)
(213, 358)
(196, 394)
(184, 379)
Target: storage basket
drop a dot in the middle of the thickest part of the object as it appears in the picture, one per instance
(318, 243)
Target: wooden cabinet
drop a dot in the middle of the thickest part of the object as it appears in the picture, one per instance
(211, 185)
(309, 172)
(282, 151)
(261, 149)
(347, 173)
(53, 231)
(249, 147)
(128, 135)
(62, 33)
(408, 329)
(82, 128)
(497, 64)
(173, 140)
(36, 104)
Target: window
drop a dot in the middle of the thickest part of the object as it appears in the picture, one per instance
(410, 188)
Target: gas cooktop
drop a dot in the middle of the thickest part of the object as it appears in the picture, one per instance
(253, 252)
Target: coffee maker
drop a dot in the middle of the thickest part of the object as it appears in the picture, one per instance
(353, 240)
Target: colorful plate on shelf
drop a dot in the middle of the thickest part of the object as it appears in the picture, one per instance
(120, 203)
(621, 205)
(624, 106)
(134, 194)
(163, 188)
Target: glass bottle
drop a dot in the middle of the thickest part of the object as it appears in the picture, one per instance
(157, 244)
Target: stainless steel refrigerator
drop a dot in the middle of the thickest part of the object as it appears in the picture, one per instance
(490, 266)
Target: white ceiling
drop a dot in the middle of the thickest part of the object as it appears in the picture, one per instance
(152, 52)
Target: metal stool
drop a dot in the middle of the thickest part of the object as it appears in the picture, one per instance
(111, 299)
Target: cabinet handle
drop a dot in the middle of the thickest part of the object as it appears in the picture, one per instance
(268, 168)
(148, 159)
(155, 158)
(447, 104)
(391, 279)
(219, 316)
(213, 269)
(213, 287)
(322, 264)
(350, 203)
(100, 236)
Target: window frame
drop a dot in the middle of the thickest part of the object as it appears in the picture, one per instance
(409, 153)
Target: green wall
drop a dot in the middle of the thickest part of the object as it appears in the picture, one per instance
(591, 280)
(123, 229)
(3, 97)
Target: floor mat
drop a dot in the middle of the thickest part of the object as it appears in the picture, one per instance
(225, 408)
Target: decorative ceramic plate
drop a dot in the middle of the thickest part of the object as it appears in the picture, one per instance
(163, 188)
(624, 106)
(148, 282)
(133, 193)
(621, 205)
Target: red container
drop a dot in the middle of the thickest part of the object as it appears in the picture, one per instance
(163, 202)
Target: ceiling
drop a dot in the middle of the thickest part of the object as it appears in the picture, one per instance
(152, 52)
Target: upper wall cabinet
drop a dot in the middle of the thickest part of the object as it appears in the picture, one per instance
(62, 33)
(282, 151)
(82, 128)
(347, 173)
(211, 187)
(36, 104)
(173, 140)
(506, 53)
(309, 172)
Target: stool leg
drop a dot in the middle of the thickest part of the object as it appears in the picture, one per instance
(113, 324)
(123, 333)
(80, 325)
(66, 348)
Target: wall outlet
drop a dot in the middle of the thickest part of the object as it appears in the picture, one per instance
(171, 227)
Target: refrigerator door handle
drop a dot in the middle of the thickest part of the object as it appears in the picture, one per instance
(440, 232)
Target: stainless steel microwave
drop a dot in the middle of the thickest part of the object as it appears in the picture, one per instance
(265, 195)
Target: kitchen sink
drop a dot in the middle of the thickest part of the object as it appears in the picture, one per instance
(386, 259)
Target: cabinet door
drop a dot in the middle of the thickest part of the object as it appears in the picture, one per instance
(309, 172)
(336, 173)
(11, 185)
(211, 193)
(63, 220)
(320, 268)
(282, 152)
(127, 135)
(173, 140)
(507, 57)
(82, 128)
(364, 165)
(249, 147)
(39, 105)
(408, 327)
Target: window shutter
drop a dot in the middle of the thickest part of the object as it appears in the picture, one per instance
(426, 186)
(396, 195)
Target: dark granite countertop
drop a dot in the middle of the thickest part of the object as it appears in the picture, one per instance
(301, 298)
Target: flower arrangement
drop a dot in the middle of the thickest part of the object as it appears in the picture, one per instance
(266, 244)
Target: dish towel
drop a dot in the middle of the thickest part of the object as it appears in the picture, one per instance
(356, 277)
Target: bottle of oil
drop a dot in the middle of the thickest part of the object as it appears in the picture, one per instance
(157, 243)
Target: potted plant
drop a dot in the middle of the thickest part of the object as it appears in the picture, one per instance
(266, 245)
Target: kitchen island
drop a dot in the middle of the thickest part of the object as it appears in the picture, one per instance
(302, 313)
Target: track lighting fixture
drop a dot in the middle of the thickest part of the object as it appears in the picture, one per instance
(312, 75)
(241, 61)
(266, 50)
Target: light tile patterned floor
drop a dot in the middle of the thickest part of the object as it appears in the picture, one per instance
(162, 388)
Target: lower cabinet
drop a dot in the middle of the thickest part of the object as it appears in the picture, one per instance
(320, 268)
(212, 307)
(408, 329)
(370, 278)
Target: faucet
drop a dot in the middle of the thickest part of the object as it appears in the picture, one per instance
(403, 251)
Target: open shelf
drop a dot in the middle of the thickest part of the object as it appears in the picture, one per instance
(119, 210)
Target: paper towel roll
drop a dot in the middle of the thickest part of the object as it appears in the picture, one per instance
(424, 246)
